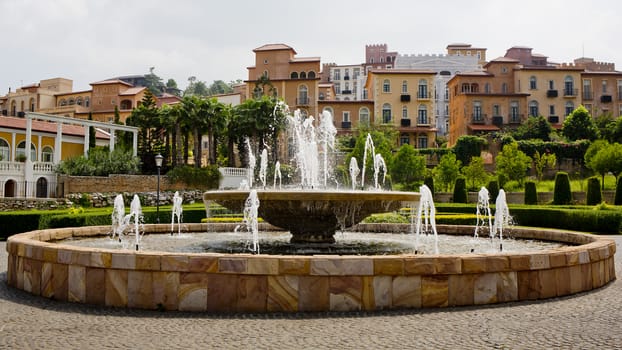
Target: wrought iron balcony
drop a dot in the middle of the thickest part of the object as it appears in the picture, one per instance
(405, 98)
(553, 119)
(302, 101)
(405, 122)
(346, 125)
(587, 95)
(551, 93)
(571, 92)
(605, 99)
(497, 120)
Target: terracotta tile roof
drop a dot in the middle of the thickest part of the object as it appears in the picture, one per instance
(112, 81)
(482, 127)
(402, 71)
(47, 127)
(270, 47)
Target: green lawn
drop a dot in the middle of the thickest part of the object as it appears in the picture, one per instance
(576, 185)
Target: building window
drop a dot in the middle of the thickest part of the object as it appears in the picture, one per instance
(71, 102)
(311, 75)
(422, 142)
(446, 94)
(422, 91)
(4, 150)
(619, 89)
(604, 84)
(32, 104)
(386, 113)
(504, 88)
(533, 109)
(47, 154)
(386, 86)
(404, 139)
(338, 89)
(265, 61)
(364, 116)
(346, 116)
(21, 153)
(356, 72)
(569, 108)
(265, 74)
(552, 110)
(62, 102)
(365, 94)
(404, 112)
(303, 98)
(303, 75)
(422, 115)
(496, 110)
(477, 112)
(346, 73)
(79, 101)
(514, 117)
(487, 88)
(587, 89)
(568, 86)
(336, 74)
(87, 102)
(533, 83)
(551, 85)
(479, 55)
(404, 87)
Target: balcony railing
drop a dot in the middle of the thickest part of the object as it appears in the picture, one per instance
(346, 92)
(347, 77)
(43, 167)
(571, 92)
(346, 125)
(302, 101)
(587, 95)
(605, 99)
(405, 122)
(497, 120)
(551, 93)
(478, 118)
(15, 168)
(553, 119)
(424, 95)
(516, 118)
(405, 98)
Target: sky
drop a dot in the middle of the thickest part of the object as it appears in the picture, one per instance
(92, 40)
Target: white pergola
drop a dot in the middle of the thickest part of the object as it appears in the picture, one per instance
(87, 124)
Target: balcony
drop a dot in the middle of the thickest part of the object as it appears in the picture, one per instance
(405, 98)
(587, 95)
(478, 118)
(405, 122)
(516, 118)
(346, 92)
(346, 125)
(497, 120)
(551, 93)
(571, 92)
(619, 95)
(347, 77)
(424, 96)
(21, 114)
(605, 99)
(302, 101)
(553, 119)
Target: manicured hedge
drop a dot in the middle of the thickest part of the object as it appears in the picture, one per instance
(594, 195)
(531, 194)
(460, 190)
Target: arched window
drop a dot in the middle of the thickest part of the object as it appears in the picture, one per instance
(4, 150)
(87, 102)
(466, 88)
(72, 101)
(569, 86)
(404, 112)
(364, 116)
(62, 102)
(422, 91)
(32, 104)
(303, 75)
(311, 75)
(404, 87)
(20, 152)
(533, 108)
(13, 108)
(386, 86)
(79, 101)
(487, 88)
(126, 104)
(386, 113)
(265, 74)
(422, 115)
(533, 83)
(303, 98)
(294, 75)
(47, 154)
(474, 87)
(504, 88)
(569, 108)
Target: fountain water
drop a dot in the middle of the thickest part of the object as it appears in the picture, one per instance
(263, 167)
(502, 217)
(277, 174)
(136, 213)
(326, 133)
(251, 163)
(483, 212)
(426, 217)
(369, 148)
(118, 218)
(354, 172)
(306, 149)
(379, 165)
(251, 207)
(177, 212)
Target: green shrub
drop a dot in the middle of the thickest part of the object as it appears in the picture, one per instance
(200, 178)
(393, 218)
(561, 193)
(493, 190)
(460, 191)
(594, 195)
(618, 197)
(18, 222)
(531, 195)
(586, 220)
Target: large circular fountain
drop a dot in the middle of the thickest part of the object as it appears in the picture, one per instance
(312, 216)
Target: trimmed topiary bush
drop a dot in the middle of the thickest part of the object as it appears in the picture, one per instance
(531, 195)
(594, 195)
(561, 193)
(493, 190)
(618, 197)
(460, 190)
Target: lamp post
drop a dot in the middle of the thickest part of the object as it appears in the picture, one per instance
(158, 162)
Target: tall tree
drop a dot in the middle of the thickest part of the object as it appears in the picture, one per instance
(447, 170)
(468, 146)
(512, 163)
(579, 125)
(92, 133)
(219, 87)
(154, 83)
(535, 128)
(408, 167)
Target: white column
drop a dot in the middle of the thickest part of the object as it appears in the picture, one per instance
(135, 143)
(28, 138)
(58, 142)
(112, 139)
(13, 146)
(39, 148)
(28, 166)
(87, 137)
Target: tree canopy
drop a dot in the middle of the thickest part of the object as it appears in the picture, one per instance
(580, 125)
(512, 163)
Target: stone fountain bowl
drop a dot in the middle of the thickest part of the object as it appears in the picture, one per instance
(313, 216)
(39, 263)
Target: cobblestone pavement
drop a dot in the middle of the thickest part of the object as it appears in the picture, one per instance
(590, 320)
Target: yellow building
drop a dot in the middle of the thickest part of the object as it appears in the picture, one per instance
(278, 72)
(34, 97)
(404, 99)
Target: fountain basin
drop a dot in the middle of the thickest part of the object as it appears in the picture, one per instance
(313, 216)
(257, 283)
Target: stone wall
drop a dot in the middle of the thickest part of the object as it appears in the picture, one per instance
(11, 204)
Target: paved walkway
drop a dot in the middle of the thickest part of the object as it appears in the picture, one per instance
(586, 321)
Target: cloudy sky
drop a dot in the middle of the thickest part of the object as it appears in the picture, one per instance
(91, 40)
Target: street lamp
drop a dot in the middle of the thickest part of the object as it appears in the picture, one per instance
(158, 162)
